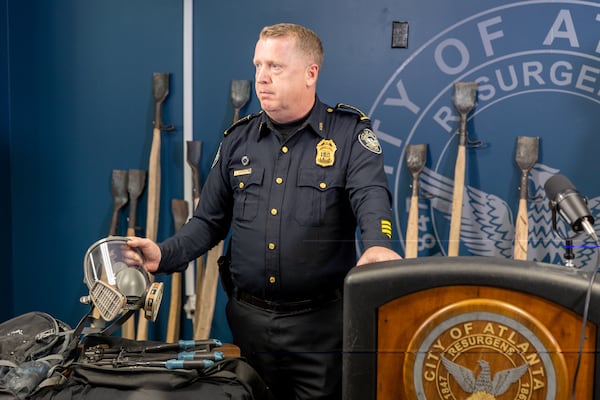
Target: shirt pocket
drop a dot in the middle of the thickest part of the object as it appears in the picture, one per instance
(246, 194)
(320, 190)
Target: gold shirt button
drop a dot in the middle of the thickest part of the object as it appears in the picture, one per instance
(284, 149)
(322, 185)
(273, 211)
(271, 246)
(272, 279)
(241, 185)
(279, 181)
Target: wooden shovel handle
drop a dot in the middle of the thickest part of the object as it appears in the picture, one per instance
(153, 186)
(457, 202)
(180, 213)
(200, 272)
(208, 293)
(152, 212)
(412, 229)
(521, 232)
(174, 308)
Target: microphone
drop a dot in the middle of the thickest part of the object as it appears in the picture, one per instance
(573, 208)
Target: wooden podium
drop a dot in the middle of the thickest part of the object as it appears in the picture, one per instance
(468, 328)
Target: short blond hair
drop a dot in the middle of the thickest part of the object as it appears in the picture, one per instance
(307, 40)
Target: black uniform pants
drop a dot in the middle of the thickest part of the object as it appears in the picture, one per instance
(298, 354)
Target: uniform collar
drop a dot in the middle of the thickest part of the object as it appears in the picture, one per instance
(315, 121)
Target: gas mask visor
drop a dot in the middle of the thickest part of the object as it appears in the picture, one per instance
(116, 287)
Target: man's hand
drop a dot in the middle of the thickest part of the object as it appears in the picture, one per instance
(377, 254)
(149, 249)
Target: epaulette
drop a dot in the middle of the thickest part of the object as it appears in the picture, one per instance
(241, 121)
(362, 115)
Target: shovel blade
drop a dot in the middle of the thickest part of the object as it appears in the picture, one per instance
(119, 187)
(160, 86)
(194, 152)
(120, 197)
(416, 157)
(180, 210)
(464, 96)
(240, 92)
(136, 182)
(526, 154)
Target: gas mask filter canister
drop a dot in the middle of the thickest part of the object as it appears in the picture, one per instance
(116, 287)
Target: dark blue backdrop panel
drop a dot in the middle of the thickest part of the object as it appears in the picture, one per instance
(6, 298)
(81, 105)
(81, 79)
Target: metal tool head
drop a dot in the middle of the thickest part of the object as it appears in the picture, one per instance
(194, 153)
(240, 92)
(160, 86)
(416, 157)
(119, 187)
(526, 154)
(120, 196)
(136, 182)
(180, 211)
(464, 96)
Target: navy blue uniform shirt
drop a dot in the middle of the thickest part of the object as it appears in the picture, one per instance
(293, 205)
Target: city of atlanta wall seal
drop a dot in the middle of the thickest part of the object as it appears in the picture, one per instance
(537, 65)
(484, 349)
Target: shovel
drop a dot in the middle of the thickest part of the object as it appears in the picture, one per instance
(416, 157)
(526, 156)
(160, 90)
(180, 211)
(119, 195)
(194, 154)
(240, 94)
(120, 198)
(135, 186)
(464, 101)
(206, 294)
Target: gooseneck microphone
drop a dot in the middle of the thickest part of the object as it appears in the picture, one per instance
(570, 205)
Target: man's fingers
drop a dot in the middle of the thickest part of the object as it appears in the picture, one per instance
(131, 257)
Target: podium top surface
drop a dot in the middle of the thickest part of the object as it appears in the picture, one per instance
(378, 283)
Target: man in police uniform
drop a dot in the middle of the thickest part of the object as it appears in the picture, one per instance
(293, 182)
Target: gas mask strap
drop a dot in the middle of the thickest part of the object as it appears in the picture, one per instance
(79, 329)
(109, 330)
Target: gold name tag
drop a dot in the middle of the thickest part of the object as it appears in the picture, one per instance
(241, 172)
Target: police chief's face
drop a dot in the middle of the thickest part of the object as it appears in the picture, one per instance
(285, 79)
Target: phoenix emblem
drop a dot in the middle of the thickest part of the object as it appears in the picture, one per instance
(484, 387)
(487, 227)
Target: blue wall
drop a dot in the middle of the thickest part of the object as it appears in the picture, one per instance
(81, 105)
(5, 204)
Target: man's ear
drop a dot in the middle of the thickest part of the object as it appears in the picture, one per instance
(312, 74)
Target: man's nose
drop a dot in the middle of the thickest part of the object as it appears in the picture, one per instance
(262, 75)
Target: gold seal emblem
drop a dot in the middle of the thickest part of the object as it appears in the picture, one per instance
(484, 349)
(326, 153)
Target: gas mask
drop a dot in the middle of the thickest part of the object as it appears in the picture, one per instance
(115, 287)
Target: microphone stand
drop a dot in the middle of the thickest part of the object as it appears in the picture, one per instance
(569, 255)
